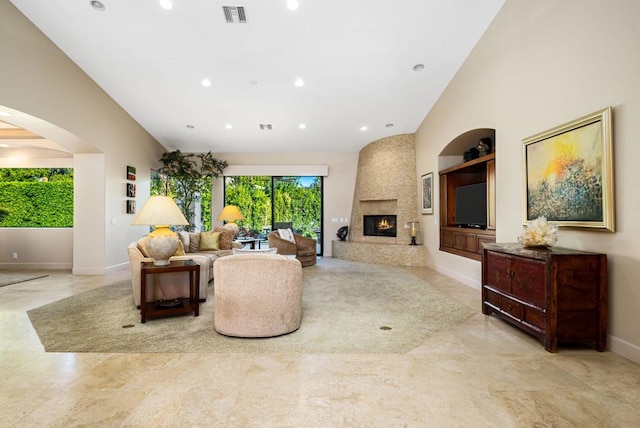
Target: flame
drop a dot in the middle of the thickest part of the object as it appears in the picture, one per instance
(384, 225)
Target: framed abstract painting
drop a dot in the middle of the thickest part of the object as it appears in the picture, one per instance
(568, 173)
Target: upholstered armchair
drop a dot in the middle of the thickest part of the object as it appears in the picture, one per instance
(304, 248)
(257, 295)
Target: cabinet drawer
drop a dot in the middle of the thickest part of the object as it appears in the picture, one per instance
(514, 309)
(529, 281)
(493, 298)
(534, 317)
(498, 271)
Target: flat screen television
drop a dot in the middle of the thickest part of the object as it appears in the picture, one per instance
(471, 206)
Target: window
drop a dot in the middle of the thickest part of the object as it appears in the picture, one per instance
(36, 197)
(267, 202)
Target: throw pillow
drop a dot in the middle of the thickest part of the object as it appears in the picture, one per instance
(259, 251)
(180, 250)
(226, 237)
(194, 242)
(287, 234)
(143, 247)
(184, 238)
(209, 241)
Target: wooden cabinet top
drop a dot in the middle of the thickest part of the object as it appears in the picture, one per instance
(478, 162)
(543, 253)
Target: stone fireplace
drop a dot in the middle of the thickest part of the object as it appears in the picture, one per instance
(386, 189)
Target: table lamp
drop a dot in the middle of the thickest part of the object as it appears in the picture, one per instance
(230, 214)
(413, 225)
(162, 243)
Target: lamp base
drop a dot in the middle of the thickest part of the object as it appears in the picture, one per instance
(413, 241)
(232, 226)
(161, 244)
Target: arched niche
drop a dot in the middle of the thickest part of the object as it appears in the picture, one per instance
(452, 154)
(455, 173)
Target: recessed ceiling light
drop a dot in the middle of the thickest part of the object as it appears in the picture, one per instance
(389, 125)
(98, 5)
(228, 126)
(4, 145)
(190, 126)
(302, 126)
(5, 114)
(418, 67)
(166, 4)
(363, 128)
(206, 83)
(293, 4)
(299, 82)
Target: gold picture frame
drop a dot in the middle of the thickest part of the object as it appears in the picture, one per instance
(568, 173)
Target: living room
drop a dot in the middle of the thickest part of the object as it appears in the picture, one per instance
(104, 230)
(537, 66)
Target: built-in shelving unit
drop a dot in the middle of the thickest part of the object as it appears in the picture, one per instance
(455, 239)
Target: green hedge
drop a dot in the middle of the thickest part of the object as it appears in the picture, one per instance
(37, 204)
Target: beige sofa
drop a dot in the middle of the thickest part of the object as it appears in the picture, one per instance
(257, 295)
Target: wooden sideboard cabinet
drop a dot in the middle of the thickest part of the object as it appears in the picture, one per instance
(557, 294)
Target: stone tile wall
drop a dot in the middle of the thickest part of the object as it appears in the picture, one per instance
(386, 184)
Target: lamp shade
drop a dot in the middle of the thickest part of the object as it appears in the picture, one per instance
(162, 243)
(160, 210)
(230, 213)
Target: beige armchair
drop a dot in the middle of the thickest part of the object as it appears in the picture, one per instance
(304, 248)
(257, 295)
(170, 285)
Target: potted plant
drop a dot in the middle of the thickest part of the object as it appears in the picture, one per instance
(184, 177)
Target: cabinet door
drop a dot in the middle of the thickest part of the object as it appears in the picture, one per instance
(498, 271)
(529, 280)
(447, 239)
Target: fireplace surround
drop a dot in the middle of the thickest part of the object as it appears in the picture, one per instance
(386, 185)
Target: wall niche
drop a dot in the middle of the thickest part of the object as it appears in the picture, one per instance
(467, 172)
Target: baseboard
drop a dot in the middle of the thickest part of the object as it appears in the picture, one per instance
(455, 275)
(115, 268)
(35, 266)
(623, 348)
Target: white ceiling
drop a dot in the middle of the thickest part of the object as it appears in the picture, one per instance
(356, 58)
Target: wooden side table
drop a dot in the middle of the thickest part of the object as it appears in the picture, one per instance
(185, 305)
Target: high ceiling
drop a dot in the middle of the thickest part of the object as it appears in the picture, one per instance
(356, 59)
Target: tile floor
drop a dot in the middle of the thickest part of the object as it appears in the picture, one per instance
(482, 373)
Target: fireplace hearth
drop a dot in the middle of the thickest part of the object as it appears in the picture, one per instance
(380, 225)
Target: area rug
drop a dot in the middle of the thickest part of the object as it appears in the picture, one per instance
(9, 278)
(348, 307)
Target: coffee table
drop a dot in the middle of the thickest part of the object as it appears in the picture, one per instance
(250, 241)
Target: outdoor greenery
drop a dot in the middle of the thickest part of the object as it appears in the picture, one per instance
(295, 199)
(36, 197)
(187, 177)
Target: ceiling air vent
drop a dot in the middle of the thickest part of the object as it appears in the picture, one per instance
(266, 127)
(234, 14)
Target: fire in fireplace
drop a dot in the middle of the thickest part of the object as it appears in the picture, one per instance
(380, 225)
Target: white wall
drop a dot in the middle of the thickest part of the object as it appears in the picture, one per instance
(541, 64)
(40, 81)
(339, 185)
